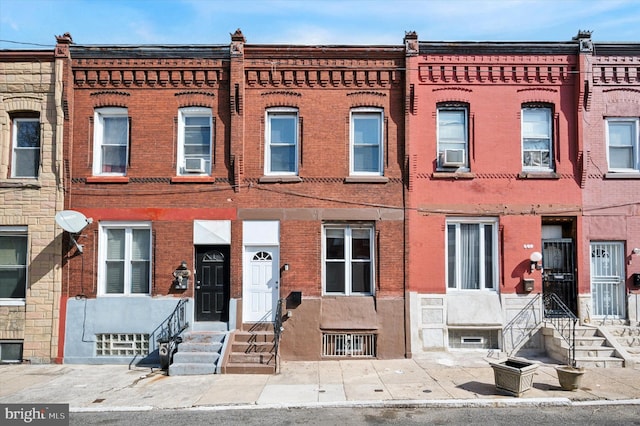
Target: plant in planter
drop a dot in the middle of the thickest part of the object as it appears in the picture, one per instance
(514, 375)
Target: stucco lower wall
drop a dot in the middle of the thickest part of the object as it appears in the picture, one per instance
(430, 318)
(88, 317)
(302, 336)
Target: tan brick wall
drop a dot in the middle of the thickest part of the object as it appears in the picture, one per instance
(31, 86)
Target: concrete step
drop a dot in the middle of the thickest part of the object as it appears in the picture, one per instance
(247, 347)
(203, 337)
(195, 357)
(601, 362)
(254, 337)
(242, 368)
(200, 347)
(590, 341)
(190, 369)
(251, 358)
(595, 352)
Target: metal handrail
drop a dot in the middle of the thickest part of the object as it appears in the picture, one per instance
(167, 334)
(522, 326)
(277, 331)
(527, 321)
(563, 320)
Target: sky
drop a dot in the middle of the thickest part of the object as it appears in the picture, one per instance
(33, 24)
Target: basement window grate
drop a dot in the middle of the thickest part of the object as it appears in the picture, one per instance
(120, 344)
(349, 345)
(10, 351)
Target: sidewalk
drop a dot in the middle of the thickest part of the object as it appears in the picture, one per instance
(438, 379)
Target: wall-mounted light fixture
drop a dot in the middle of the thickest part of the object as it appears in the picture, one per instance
(535, 259)
(636, 250)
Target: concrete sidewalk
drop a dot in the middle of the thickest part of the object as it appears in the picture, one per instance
(438, 379)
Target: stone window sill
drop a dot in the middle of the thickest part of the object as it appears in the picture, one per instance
(538, 175)
(622, 175)
(280, 179)
(107, 179)
(453, 175)
(366, 179)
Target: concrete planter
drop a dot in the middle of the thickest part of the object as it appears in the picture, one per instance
(570, 377)
(514, 376)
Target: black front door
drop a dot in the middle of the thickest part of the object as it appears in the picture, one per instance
(212, 283)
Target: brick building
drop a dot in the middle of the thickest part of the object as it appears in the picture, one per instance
(31, 120)
(608, 111)
(492, 146)
(273, 172)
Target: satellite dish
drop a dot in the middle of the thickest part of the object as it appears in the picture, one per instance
(72, 221)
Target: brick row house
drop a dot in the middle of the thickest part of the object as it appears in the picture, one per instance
(31, 119)
(322, 202)
(272, 173)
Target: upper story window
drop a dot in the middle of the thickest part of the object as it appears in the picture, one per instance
(453, 136)
(111, 141)
(124, 259)
(366, 141)
(472, 254)
(194, 141)
(622, 144)
(281, 153)
(26, 148)
(537, 139)
(13, 264)
(348, 259)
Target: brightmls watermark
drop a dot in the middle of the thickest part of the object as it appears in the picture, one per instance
(34, 414)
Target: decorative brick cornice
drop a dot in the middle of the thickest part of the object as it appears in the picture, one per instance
(281, 93)
(494, 70)
(323, 76)
(110, 92)
(619, 73)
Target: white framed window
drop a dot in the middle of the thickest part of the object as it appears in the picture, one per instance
(366, 132)
(348, 259)
(537, 140)
(472, 254)
(281, 153)
(125, 259)
(194, 141)
(110, 141)
(13, 264)
(622, 144)
(453, 136)
(25, 161)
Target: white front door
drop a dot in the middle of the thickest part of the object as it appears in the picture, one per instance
(607, 279)
(261, 283)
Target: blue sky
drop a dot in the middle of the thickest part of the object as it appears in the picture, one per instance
(33, 24)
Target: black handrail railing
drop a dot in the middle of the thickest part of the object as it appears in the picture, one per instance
(563, 320)
(168, 333)
(277, 331)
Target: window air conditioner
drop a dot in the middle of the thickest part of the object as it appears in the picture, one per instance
(194, 165)
(453, 158)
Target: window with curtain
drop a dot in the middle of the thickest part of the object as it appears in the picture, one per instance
(472, 262)
(13, 263)
(537, 138)
(126, 259)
